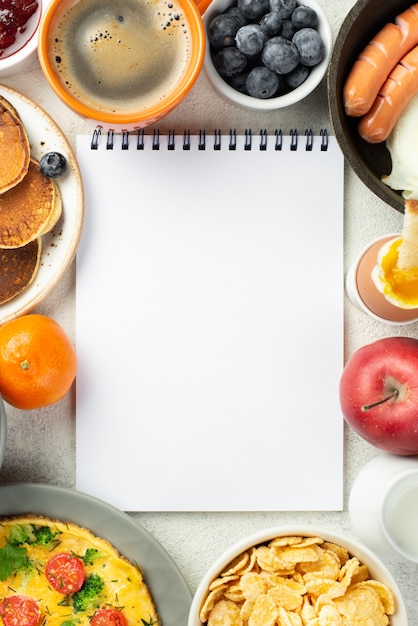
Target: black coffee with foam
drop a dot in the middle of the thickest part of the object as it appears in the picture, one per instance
(121, 56)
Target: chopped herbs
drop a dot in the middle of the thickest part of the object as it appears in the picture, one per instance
(12, 559)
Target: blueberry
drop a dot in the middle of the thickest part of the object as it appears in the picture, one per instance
(280, 55)
(253, 9)
(237, 14)
(229, 61)
(250, 39)
(297, 76)
(285, 8)
(304, 17)
(271, 23)
(222, 30)
(239, 82)
(288, 29)
(53, 164)
(262, 82)
(309, 44)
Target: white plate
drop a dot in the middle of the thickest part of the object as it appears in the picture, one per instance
(366, 499)
(168, 588)
(60, 245)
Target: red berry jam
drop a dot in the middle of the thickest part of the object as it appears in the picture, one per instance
(14, 15)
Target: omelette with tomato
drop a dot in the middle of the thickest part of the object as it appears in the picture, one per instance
(54, 573)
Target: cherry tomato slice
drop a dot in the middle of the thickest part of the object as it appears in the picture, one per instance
(108, 617)
(65, 572)
(19, 611)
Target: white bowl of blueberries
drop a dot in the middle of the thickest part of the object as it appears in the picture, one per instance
(266, 54)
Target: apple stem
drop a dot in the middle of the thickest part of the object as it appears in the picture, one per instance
(367, 407)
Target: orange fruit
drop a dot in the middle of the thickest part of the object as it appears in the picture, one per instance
(38, 363)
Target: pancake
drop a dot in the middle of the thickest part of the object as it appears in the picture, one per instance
(30, 209)
(14, 147)
(47, 568)
(18, 268)
(9, 106)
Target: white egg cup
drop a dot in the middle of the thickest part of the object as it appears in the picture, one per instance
(363, 293)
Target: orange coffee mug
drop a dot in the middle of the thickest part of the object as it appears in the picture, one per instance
(122, 64)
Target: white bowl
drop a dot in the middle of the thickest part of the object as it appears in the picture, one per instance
(270, 104)
(24, 50)
(377, 569)
(3, 431)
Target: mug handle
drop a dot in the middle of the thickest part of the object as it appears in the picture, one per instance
(202, 5)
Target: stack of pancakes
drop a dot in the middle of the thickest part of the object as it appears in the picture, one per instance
(30, 206)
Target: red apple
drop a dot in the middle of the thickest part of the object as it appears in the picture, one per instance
(379, 394)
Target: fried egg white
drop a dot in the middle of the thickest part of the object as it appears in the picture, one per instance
(124, 587)
(402, 145)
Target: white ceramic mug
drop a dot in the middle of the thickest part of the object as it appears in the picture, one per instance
(399, 514)
(366, 501)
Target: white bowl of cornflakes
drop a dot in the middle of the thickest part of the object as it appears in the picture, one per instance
(297, 576)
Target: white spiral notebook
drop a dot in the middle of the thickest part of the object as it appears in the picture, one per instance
(210, 321)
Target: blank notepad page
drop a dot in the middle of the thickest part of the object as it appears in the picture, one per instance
(210, 325)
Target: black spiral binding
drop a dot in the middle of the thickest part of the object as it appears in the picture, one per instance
(110, 140)
(249, 141)
(324, 136)
(202, 140)
(95, 139)
(156, 140)
(141, 140)
(293, 139)
(217, 140)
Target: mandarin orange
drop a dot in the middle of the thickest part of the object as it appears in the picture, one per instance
(38, 363)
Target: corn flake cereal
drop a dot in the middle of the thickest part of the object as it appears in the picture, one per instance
(297, 581)
(264, 612)
(225, 613)
(222, 581)
(237, 565)
(362, 605)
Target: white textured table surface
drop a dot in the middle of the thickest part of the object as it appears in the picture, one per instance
(41, 444)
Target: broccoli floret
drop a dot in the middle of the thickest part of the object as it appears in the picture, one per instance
(20, 534)
(27, 533)
(87, 596)
(44, 535)
(90, 555)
